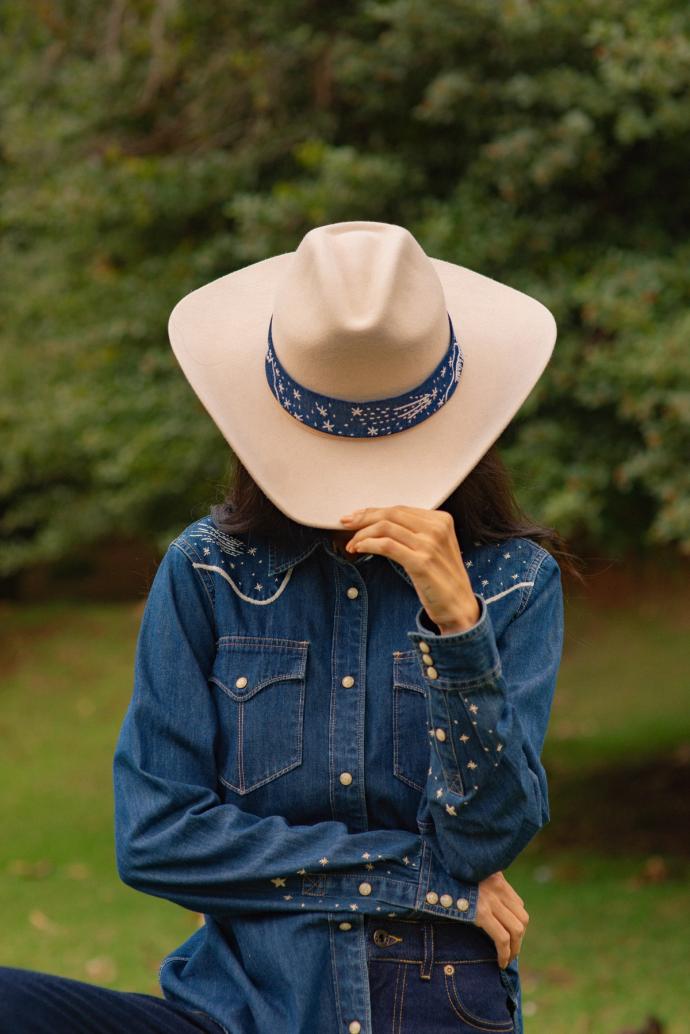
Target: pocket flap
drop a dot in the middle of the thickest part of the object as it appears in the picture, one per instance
(247, 664)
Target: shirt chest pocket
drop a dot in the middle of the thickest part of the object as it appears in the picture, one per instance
(411, 750)
(259, 685)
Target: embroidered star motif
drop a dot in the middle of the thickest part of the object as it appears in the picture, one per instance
(366, 855)
(369, 865)
(439, 792)
(473, 708)
(287, 897)
(471, 764)
(485, 581)
(371, 431)
(406, 860)
(507, 556)
(327, 425)
(278, 881)
(468, 563)
(206, 551)
(252, 550)
(301, 872)
(499, 747)
(354, 907)
(357, 410)
(450, 808)
(323, 861)
(464, 737)
(258, 586)
(514, 576)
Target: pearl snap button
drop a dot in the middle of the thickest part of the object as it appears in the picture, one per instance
(432, 673)
(424, 647)
(441, 734)
(463, 904)
(348, 681)
(345, 778)
(446, 900)
(427, 658)
(365, 889)
(344, 926)
(241, 682)
(353, 592)
(432, 897)
(355, 1027)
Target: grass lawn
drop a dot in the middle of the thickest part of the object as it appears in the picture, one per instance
(605, 882)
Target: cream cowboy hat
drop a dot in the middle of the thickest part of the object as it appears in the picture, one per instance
(358, 371)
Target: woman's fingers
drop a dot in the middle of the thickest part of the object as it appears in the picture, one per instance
(499, 935)
(514, 925)
(501, 913)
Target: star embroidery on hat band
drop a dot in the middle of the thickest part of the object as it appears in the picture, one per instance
(384, 416)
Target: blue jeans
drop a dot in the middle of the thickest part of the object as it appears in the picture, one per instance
(32, 1002)
(435, 977)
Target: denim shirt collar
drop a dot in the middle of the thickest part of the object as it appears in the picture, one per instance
(281, 555)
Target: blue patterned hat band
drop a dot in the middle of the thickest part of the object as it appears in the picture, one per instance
(365, 419)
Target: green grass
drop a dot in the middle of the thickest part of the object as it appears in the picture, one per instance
(608, 940)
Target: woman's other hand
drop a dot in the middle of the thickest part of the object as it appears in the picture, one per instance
(501, 913)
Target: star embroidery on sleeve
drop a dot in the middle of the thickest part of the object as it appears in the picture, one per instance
(301, 872)
(279, 881)
(354, 907)
(367, 855)
(439, 792)
(450, 808)
(369, 865)
(323, 861)
(499, 747)
(471, 764)
(406, 860)
(464, 737)
(473, 708)
(287, 897)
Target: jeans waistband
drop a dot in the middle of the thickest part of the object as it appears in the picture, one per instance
(426, 942)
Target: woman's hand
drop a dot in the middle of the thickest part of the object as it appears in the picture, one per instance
(425, 544)
(501, 913)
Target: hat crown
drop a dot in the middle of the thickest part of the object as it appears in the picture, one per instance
(360, 312)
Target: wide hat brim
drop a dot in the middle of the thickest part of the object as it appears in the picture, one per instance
(218, 334)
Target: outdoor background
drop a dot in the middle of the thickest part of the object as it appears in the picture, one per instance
(149, 147)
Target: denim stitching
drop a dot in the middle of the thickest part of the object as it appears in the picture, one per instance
(458, 1007)
(243, 596)
(537, 561)
(188, 552)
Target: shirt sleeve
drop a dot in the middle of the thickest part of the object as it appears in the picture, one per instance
(488, 708)
(175, 838)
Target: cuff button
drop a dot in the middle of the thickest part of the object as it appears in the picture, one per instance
(463, 904)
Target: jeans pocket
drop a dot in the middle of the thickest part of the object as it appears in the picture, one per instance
(259, 685)
(477, 996)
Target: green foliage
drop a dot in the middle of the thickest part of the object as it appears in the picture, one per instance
(149, 147)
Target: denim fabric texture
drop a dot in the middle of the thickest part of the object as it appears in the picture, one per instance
(290, 767)
(33, 1002)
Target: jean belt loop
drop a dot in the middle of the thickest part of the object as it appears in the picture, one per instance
(428, 961)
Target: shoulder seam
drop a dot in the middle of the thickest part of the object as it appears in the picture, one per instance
(540, 556)
(185, 548)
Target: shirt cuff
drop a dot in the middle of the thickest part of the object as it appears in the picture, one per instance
(458, 658)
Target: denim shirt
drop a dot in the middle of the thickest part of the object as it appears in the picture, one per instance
(303, 748)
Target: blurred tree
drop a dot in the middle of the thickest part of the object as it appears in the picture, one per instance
(148, 147)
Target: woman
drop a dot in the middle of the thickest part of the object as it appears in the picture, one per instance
(333, 743)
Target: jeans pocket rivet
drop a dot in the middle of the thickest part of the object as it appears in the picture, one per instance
(449, 970)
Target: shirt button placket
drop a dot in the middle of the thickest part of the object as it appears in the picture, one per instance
(346, 725)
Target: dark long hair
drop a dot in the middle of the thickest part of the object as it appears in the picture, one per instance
(483, 507)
